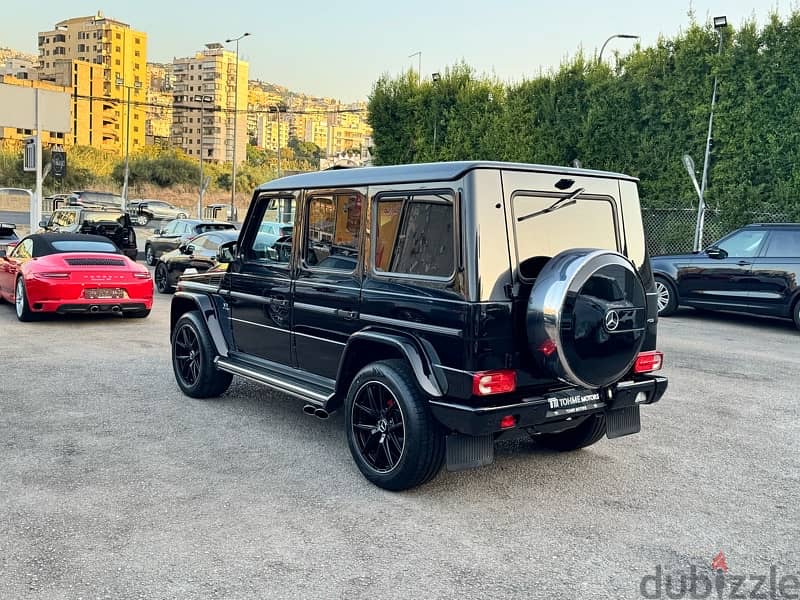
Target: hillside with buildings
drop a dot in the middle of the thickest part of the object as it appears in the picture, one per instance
(202, 103)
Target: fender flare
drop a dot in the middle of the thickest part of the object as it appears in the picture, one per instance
(416, 353)
(183, 302)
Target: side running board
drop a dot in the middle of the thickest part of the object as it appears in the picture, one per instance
(294, 387)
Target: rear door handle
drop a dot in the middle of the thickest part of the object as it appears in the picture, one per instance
(349, 315)
(743, 263)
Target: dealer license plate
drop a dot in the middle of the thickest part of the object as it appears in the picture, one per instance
(573, 401)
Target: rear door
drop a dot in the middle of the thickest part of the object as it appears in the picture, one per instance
(328, 285)
(259, 293)
(776, 272)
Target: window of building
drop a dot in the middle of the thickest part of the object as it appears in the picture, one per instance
(135, 129)
(189, 151)
(117, 49)
(415, 235)
(119, 36)
(136, 53)
(117, 62)
(137, 40)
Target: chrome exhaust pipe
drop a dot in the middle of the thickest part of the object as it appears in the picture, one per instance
(115, 309)
(309, 409)
(321, 413)
(94, 309)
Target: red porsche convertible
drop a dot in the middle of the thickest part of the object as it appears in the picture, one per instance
(68, 273)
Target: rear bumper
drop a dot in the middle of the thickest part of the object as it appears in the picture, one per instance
(539, 410)
(100, 307)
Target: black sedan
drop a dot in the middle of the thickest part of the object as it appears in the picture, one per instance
(199, 253)
(753, 270)
(176, 233)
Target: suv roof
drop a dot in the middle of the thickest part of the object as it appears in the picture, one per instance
(780, 225)
(418, 173)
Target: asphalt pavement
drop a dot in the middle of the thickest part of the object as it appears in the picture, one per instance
(114, 485)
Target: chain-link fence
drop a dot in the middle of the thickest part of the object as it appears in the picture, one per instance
(671, 230)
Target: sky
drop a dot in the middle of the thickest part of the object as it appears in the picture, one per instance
(339, 49)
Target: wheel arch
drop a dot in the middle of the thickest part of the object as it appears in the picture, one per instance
(370, 345)
(183, 302)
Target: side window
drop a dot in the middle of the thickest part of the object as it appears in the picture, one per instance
(784, 243)
(266, 246)
(24, 249)
(743, 244)
(170, 229)
(414, 235)
(334, 232)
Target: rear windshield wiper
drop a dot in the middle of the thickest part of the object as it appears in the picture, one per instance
(567, 200)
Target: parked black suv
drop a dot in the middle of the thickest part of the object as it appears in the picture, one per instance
(753, 270)
(439, 305)
(109, 222)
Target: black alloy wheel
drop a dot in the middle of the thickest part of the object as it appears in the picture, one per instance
(193, 355)
(378, 428)
(796, 313)
(395, 441)
(149, 256)
(162, 279)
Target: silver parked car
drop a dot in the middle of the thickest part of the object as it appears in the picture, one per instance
(144, 211)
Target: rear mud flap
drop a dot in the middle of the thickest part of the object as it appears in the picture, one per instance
(469, 452)
(623, 421)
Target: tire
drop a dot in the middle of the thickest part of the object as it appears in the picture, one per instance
(21, 306)
(589, 432)
(384, 400)
(667, 297)
(796, 313)
(149, 256)
(182, 216)
(193, 355)
(162, 279)
(142, 219)
(137, 314)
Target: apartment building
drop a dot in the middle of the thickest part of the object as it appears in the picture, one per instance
(158, 123)
(270, 134)
(206, 89)
(48, 138)
(21, 68)
(118, 95)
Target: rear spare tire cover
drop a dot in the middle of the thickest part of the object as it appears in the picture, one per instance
(586, 317)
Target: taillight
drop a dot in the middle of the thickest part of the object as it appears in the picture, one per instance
(142, 275)
(647, 362)
(508, 422)
(54, 275)
(489, 383)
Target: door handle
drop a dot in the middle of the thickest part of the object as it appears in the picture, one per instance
(743, 263)
(349, 315)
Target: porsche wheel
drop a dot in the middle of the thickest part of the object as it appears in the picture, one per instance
(162, 279)
(21, 305)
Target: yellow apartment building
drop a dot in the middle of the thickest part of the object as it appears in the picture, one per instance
(267, 132)
(119, 53)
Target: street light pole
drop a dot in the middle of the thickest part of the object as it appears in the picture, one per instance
(202, 100)
(419, 71)
(137, 84)
(625, 36)
(719, 24)
(278, 144)
(235, 118)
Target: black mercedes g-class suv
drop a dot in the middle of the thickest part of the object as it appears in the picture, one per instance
(438, 305)
(95, 220)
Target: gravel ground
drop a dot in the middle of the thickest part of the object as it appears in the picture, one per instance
(114, 485)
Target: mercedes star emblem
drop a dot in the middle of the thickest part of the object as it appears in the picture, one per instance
(612, 320)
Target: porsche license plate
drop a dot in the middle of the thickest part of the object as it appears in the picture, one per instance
(103, 293)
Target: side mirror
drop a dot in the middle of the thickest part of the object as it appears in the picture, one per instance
(157, 232)
(227, 252)
(43, 223)
(714, 252)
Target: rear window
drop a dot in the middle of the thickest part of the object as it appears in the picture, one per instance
(588, 223)
(81, 246)
(97, 216)
(214, 227)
